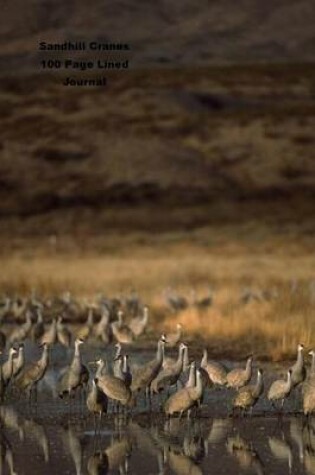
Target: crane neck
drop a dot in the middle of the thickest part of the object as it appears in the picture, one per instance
(248, 368)
(160, 351)
(90, 318)
(39, 317)
(77, 351)
(94, 389)
(259, 387)
(186, 359)
(20, 356)
(10, 358)
(145, 315)
(125, 365)
(300, 359)
(198, 386)
(192, 377)
(44, 357)
(100, 368)
(118, 351)
(204, 359)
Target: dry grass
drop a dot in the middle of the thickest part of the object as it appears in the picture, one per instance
(270, 328)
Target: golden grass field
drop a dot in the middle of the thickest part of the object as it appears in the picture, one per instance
(270, 328)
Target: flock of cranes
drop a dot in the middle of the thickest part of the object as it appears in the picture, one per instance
(177, 386)
(104, 373)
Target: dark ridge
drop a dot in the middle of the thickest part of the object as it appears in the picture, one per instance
(57, 155)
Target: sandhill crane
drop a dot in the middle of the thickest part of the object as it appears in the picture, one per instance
(21, 331)
(38, 329)
(184, 399)
(63, 333)
(143, 376)
(50, 335)
(169, 376)
(280, 389)
(175, 301)
(191, 382)
(138, 324)
(122, 332)
(298, 369)
(18, 307)
(102, 368)
(122, 370)
(248, 396)
(170, 361)
(238, 377)
(173, 338)
(19, 361)
(309, 388)
(33, 373)
(7, 367)
(216, 371)
(97, 401)
(116, 365)
(204, 302)
(115, 389)
(86, 330)
(132, 303)
(77, 374)
(102, 329)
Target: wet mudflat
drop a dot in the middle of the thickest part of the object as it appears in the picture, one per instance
(56, 436)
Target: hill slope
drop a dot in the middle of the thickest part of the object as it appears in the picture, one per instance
(226, 142)
(180, 31)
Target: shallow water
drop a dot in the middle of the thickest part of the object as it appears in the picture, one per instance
(53, 437)
(46, 443)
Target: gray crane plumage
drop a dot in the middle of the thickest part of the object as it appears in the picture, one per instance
(280, 389)
(184, 399)
(34, 372)
(169, 376)
(298, 369)
(97, 401)
(77, 374)
(238, 377)
(115, 389)
(309, 388)
(7, 367)
(248, 396)
(144, 375)
(216, 371)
